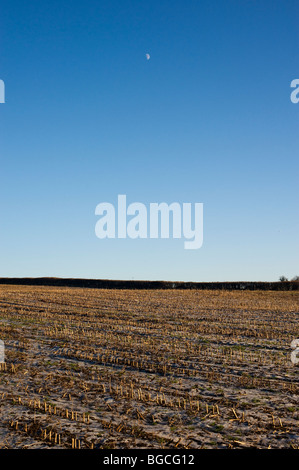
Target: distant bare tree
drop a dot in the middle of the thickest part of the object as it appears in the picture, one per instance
(283, 279)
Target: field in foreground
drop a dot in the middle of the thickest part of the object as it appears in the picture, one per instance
(104, 368)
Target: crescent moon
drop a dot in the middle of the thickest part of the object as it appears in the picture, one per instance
(147, 56)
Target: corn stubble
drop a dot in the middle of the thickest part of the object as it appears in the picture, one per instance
(97, 368)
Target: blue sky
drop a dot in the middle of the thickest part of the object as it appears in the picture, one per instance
(207, 119)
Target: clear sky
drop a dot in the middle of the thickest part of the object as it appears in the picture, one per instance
(207, 119)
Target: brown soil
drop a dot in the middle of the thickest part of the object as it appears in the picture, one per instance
(100, 368)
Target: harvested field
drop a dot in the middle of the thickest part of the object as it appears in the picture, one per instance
(100, 368)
